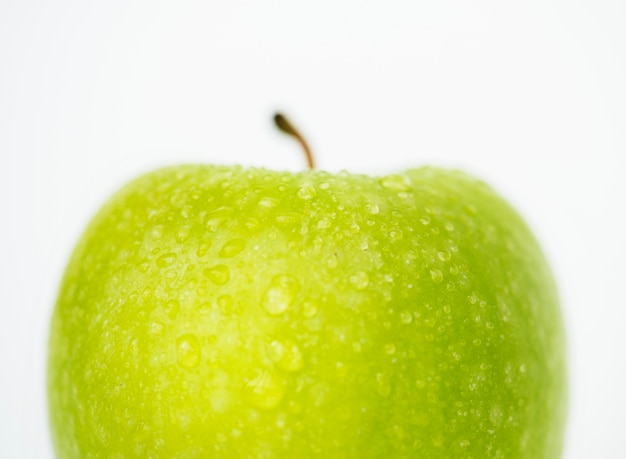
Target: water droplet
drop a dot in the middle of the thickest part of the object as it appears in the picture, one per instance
(306, 192)
(359, 280)
(444, 255)
(390, 348)
(165, 260)
(395, 234)
(436, 275)
(324, 223)
(232, 248)
(522, 368)
(217, 216)
(188, 351)
(156, 328)
(203, 248)
(288, 218)
(280, 294)
(268, 203)
(449, 227)
(425, 220)
(225, 304)
(397, 182)
(265, 390)
(372, 208)
(406, 317)
(218, 274)
(286, 354)
(172, 308)
(309, 309)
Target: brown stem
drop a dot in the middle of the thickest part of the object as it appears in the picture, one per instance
(285, 125)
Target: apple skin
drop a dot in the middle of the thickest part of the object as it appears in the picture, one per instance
(224, 312)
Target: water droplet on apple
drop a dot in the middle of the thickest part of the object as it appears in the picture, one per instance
(397, 182)
(425, 220)
(286, 354)
(188, 351)
(372, 208)
(232, 248)
(172, 307)
(390, 348)
(309, 309)
(406, 317)
(218, 274)
(156, 328)
(265, 390)
(324, 223)
(165, 260)
(444, 255)
(203, 248)
(306, 192)
(225, 304)
(436, 275)
(280, 294)
(268, 203)
(395, 234)
(359, 280)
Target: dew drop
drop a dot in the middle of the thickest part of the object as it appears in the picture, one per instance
(306, 192)
(280, 294)
(372, 208)
(172, 308)
(390, 348)
(165, 260)
(156, 328)
(406, 317)
(397, 182)
(188, 351)
(425, 220)
(359, 280)
(324, 223)
(444, 255)
(218, 274)
(203, 248)
(395, 234)
(265, 390)
(232, 248)
(225, 304)
(268, 203)
(286, 354)
(436, 275)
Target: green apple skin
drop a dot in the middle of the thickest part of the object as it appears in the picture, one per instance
(224, 312)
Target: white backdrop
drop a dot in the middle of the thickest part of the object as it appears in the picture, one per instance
(530, 96)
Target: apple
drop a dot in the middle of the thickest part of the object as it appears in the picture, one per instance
(229, 312)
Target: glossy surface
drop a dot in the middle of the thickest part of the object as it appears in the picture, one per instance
(218, 312)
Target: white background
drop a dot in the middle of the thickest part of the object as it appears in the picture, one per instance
(528, 95)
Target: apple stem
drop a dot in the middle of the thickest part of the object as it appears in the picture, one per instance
(285, 126)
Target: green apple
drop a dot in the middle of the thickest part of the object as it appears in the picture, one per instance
(225, 312)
